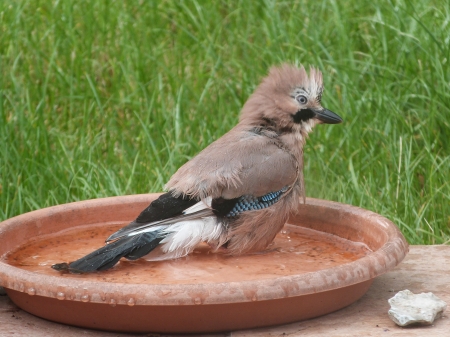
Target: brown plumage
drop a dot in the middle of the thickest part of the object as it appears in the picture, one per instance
(261, 158)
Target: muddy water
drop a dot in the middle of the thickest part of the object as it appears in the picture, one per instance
(295, 250)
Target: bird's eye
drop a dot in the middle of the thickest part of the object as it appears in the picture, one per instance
(301, 99)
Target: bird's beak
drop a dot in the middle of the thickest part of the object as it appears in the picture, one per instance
(328, 117)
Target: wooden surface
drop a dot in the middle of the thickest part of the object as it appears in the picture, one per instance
(425, 269)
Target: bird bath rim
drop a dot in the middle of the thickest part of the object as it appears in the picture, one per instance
(386, 256)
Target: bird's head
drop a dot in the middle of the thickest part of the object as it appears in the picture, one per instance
(290, 100)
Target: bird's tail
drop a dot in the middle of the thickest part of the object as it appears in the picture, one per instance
(130, 247)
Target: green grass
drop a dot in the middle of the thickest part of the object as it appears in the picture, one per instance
(103, 98)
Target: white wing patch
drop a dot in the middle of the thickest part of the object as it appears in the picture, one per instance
(183, 236)
(203, 204)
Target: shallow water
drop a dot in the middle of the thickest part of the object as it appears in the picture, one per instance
(295, 250)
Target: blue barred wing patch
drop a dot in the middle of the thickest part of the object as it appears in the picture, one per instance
(251, 203)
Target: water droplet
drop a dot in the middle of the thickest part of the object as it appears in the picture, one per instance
(197, 300)
(131, 302)
(254, 298)
(31, 291)
(60, 295)
(42, 263)
(85, 298)
(112, 302)
(283, 231)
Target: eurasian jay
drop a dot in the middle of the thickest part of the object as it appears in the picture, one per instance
(238, 192)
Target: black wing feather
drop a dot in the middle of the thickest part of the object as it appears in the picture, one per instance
(166, 206)
(221, 207)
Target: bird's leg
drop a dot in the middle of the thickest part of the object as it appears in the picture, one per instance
(215, 248)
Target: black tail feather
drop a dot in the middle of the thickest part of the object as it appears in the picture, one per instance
(166, 207)
(140, 251)
(131, 248)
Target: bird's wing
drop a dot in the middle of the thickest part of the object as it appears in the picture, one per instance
(243, 162)
(165, 210)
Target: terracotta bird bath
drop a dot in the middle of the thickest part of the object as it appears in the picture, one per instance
(324, 259)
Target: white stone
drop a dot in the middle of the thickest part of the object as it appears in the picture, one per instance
(409, 308)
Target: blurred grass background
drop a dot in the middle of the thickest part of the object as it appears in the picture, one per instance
(105, 98)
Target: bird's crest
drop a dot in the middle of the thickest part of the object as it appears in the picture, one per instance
(285, 78)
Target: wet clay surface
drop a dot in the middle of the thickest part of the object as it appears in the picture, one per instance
(295, 250)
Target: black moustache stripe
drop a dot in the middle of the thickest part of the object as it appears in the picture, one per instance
(303, 115)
